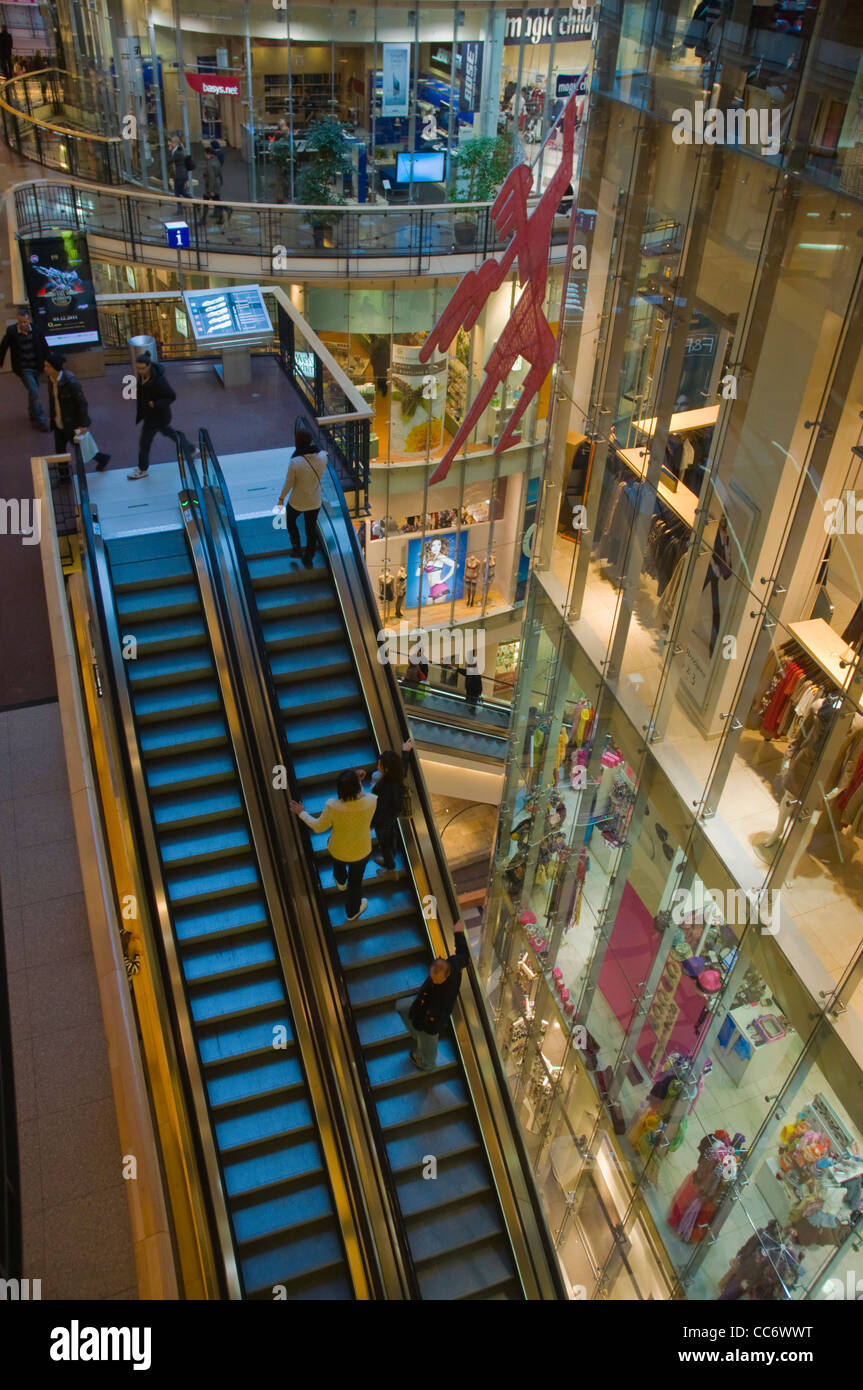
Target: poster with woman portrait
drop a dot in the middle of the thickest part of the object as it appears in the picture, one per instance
(436, 569)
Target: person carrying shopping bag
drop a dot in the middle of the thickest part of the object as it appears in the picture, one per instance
(348, 817)
(70, 415)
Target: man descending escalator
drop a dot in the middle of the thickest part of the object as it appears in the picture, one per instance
(427, 1015)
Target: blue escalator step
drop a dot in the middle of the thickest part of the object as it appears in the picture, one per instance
(474, 1223)
(380, 1027)
(384, 899)
(427, 1099)
(246, 1039)
(319, 693)
(297, 1207)
(206, 842)
(275, 1162)
(208, 963)
(244, 1080)
(203, 806)
(275, 1117)
(305, 628)
(298, 663)
(169, 736)
(211, 882)
(312, 729)
(190, 697)
(293, 1259)
(166, 633)
(170, 668)
(150, 545)
(160, 602)
(225, 1000)
(365, 946)
(132, 575)
(275, 568)
(210, 765)
(394, 1068)
(457, 1179)
(220, 918)
(291, 599)
(331, 759)
(466, 1272)
(374, 984)
(445, 1136)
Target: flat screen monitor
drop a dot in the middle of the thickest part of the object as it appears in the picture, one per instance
(428, 168)
(237, 312)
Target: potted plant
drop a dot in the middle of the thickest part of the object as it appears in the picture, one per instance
(327, 142)
(481, 167)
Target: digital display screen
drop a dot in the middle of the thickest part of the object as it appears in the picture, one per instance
(237, 312)
(428, 168)
(60, 289)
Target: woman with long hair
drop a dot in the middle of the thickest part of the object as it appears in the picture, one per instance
(388, 784)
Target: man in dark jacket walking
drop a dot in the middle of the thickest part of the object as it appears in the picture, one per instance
(154, 400)
(69, 412)
(177, 161)
(427, 1015)
(6, 44)
(28, 350)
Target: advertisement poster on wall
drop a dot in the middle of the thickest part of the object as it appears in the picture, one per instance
(395, 94)
(60, 289)
(436, 570)
(528, 530)
(419, 399)
(470, 74)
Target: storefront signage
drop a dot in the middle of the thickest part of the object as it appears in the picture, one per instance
(568, 82)
(526, 333)
(470, 75)
(208, 84)
(60, 289)
(549, 25)
(396, 79)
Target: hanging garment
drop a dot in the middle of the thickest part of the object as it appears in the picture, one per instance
(790, 679)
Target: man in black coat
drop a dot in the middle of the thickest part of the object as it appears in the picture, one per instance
(427, 1015)
(6, 45)
(28, 350)
(154, 400)
(69, 412)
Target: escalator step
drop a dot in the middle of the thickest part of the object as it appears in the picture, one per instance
(289, 600)
(195, 770)
(212, 882)
(151, 545)
(327, 692)
(295, 1259)
(258, 1220)
(390, 942)
(331, 758)
(394, 1069)
(274, 1120)
(218, 961)
(220, 918)
(327, 1286)
(209, 842)
(386, 900)
(133, 576)
(457, 1179)
(313, 730)
(246, 1081)
(244, 1039)
(227, 1000)
(272, 568)
(275, 1163)
(427, 1099)
(474, 1223)
(379, 1026)
(296, 664)
(463, 1273)
(445, 1136)
(176, 735)
(190, 697)
(167, 600)
(302, 631)
(206, 806)
(166, 633)
(374, 984)
(170, 668)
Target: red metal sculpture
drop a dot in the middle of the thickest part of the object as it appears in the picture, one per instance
(527, 333)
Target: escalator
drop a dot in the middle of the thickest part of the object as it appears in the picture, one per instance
(463, 1230)
(252, 1074)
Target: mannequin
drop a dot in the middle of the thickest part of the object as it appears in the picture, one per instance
(386, 590)
(471, 575)
(803, 753)
(488, 575)
(401, 589)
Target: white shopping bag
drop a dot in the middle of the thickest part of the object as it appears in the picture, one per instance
(89, 447)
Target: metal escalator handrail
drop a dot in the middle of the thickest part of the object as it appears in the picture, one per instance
(548, 1276)
(399, 1275)
(152, 876)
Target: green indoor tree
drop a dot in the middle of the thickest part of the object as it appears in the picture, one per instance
(481, 167)
(331, 151)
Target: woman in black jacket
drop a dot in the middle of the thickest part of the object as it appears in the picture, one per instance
(388, 786)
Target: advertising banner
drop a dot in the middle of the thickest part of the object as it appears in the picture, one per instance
(528, 530)
(436, 569)
(60, 289)
(470, 75)
(419, 400)
(211, 85)
(568, 82)
(395, 94)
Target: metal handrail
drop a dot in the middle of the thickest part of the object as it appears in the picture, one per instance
(212, 1189)
(213, 478)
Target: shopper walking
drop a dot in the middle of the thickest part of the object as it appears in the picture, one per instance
(178, 161)
(348, 817)
(388, 786)
(472, 686)
(427, 1014)
(303, 486)
(154, 400)
(5, 52)
(213, 183)
(27, 350)
(70, 415)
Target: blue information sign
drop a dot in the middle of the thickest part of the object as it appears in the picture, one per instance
(177, 235)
